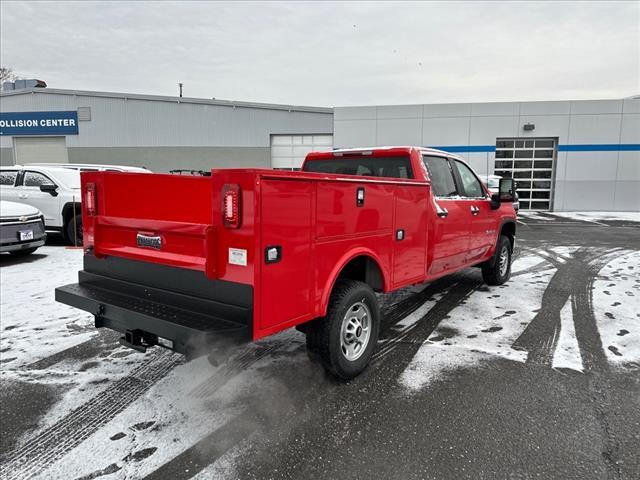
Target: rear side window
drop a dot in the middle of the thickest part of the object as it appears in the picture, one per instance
(8, 177)
(388, 167)
(470, 184)
(35, 179)
(441, 176)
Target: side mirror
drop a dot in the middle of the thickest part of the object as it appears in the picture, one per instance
(506, 189)
(49, 188)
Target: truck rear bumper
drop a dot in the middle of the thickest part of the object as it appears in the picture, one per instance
(149, 316)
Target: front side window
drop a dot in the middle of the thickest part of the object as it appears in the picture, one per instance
(441, 176)
(8, 177)
(387, 167)
(471, 186)
(35, 179)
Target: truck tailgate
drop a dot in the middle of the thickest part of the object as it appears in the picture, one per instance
(164, 219)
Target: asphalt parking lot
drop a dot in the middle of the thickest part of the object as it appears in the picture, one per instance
(539, 378)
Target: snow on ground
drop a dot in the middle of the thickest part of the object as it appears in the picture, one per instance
(595, 217)
(616, 305)
(190, 400)
(485, 326)
(481, 328)
(599, 216)
(567, 354)
(32, 325)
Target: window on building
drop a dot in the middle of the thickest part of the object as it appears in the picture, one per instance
(441, 176)
(470, 184)
(8, 177)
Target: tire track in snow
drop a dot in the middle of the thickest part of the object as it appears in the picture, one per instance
(573, 282)
(233, 367)
(574, 275)
(54, 442)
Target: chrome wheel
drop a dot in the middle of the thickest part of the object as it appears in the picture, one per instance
(503, 261)
(355, 331)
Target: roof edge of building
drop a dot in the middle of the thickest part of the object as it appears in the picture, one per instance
(164, 98)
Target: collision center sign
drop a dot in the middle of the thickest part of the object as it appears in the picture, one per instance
(39, 123)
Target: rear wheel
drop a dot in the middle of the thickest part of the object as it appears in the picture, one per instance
(345, 338)
(498, 270)
(73, 230)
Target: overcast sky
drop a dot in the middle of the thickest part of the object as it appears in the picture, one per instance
(330, 54)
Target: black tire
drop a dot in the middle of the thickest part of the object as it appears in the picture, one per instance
(352, 303)
(74, 234)
(23, 253)
(495, 271)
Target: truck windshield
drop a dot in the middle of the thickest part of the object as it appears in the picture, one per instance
(389, 167)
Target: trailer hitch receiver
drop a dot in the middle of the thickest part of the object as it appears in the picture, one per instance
(137, 339)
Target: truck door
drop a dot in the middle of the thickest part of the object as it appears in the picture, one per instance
(287, 271)
(448, 244)
(483, 229)
(409, 252)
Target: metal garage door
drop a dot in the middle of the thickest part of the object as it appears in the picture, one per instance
(40, 150)
(530, 161)
(288, 151)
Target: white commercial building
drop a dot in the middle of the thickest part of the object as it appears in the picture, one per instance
(565, 155)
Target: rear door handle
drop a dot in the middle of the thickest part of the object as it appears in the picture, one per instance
(443, 213)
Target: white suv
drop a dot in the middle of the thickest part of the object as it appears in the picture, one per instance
(52, 189)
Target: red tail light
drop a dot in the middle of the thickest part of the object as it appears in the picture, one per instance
(90, 204)
(231, 206)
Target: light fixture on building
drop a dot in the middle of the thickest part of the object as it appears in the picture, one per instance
(529, 127)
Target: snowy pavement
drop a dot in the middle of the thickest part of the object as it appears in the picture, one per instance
(104, 411)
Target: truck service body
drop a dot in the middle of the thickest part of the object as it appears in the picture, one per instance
(186, 261)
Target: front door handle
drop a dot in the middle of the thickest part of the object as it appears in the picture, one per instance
(474, 210)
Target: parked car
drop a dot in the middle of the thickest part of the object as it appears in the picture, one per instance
(493, 181)
(185, 261)
(54, 189)
(21, 228)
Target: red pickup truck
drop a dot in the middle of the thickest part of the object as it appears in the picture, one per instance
(185, 262)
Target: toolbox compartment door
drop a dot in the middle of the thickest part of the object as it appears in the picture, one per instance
(286, 226)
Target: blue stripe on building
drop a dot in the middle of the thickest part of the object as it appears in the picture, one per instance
(604, 147)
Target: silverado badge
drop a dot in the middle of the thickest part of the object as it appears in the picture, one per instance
(148, 241)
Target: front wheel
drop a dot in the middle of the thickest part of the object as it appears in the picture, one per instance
(498, 270)
(345, 338)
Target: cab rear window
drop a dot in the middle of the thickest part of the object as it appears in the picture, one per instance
(387, 167)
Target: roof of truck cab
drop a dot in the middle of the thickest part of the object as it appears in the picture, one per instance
(378, 151)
